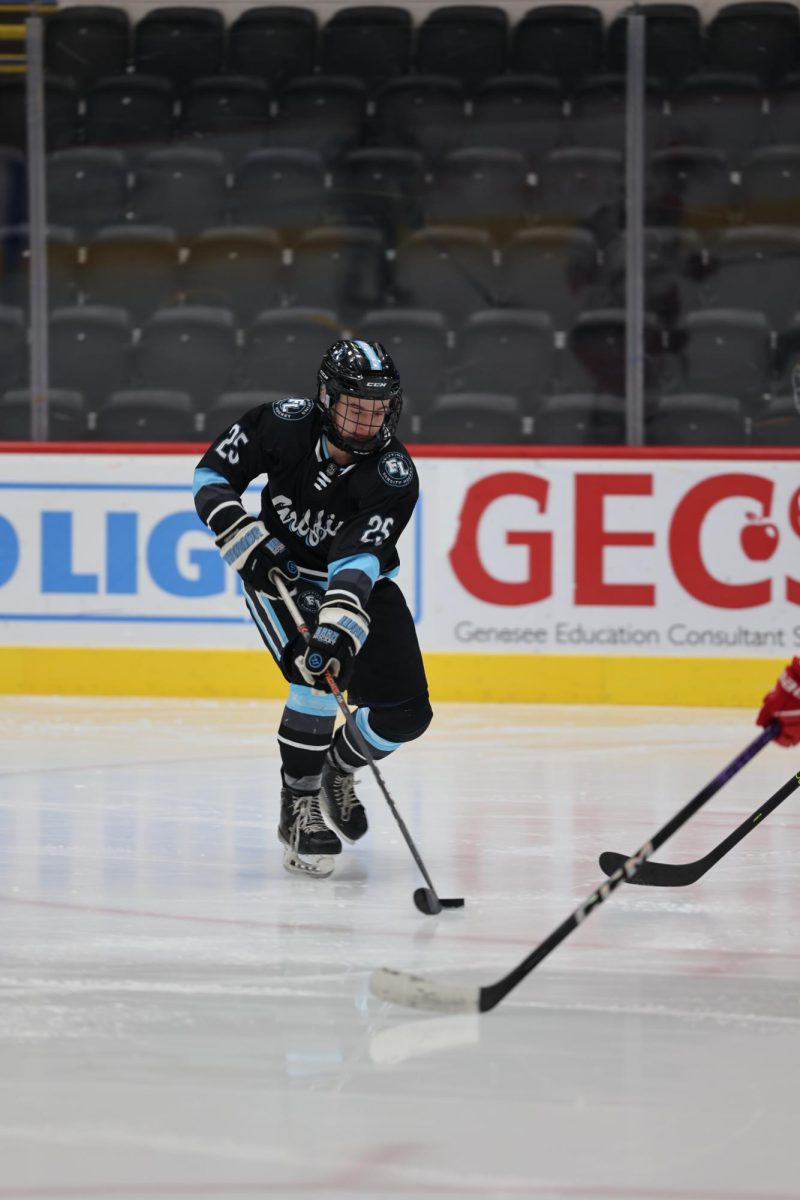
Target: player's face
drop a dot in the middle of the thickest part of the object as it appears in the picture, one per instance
(357, 418)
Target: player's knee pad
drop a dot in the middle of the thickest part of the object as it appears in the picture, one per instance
(402, 722)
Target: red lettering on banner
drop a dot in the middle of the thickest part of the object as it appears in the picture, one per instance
(591, 538)
(464, 557)
(684, 541)
(792, 585)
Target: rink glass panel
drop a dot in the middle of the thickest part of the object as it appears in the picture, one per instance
(227, 194)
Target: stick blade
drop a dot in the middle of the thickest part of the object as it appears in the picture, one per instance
(413, 991)
(653, 874)
(610, 862)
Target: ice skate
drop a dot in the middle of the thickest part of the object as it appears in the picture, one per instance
(340, 805)
(308, 843)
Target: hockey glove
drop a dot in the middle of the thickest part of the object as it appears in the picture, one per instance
(340, 633)
(783, 704)
(250, 549)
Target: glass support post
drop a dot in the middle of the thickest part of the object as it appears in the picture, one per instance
(37, 227)
(634, 235)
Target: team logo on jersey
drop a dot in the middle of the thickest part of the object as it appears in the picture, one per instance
(294, 408)
(309, 601)
(396, 469)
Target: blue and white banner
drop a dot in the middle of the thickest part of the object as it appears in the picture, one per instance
(108, 550)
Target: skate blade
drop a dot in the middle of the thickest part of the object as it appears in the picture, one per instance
(316, 866)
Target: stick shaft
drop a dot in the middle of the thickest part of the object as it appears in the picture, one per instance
(355, 732)
(750, 823)
(660, 874)
(493, 994)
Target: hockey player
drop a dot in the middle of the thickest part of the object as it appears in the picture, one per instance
(783, 704)
(341, 488)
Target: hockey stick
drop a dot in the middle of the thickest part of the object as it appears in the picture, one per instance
(656, 874)
(425, 898)
(414, 991)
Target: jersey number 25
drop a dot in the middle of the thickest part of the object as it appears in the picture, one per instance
(377, 531)
(226, 448)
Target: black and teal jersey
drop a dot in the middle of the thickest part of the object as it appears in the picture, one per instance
(340, 524)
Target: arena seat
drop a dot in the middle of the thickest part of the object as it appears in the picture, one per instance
(506, 350)
(144, 415)
(67, 416)
(188, 348)
(87, 42)
(416, 339)
(276, 43)
(370, 41)
(448, 269)
(566, 40)
(236, 267)
(90, 350)
(696, 420)
(184, 187)
(284, 347)
(473, 418)
(580, 420)
(467, 41)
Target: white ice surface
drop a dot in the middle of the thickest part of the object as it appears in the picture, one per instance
(181, 1018)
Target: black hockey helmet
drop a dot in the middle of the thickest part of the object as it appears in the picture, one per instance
(363, 370)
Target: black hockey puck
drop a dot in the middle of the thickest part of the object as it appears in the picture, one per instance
(429, 903)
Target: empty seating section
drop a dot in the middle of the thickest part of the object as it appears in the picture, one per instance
(228, 194)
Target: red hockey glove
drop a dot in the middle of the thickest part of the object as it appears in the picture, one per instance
(783, 704)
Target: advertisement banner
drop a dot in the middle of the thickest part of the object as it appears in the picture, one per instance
(546, 555)
(635, 557)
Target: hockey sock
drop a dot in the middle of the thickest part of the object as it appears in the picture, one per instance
(304, 736)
